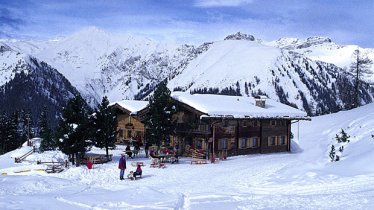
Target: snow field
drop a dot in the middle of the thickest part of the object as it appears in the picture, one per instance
(302, 179)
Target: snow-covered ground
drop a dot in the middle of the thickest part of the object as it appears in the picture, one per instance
(303, 179)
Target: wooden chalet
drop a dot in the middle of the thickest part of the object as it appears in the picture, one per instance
(233, 125)
(129, 127)
(218, 124)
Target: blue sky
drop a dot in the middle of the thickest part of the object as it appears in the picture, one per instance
(192, 21)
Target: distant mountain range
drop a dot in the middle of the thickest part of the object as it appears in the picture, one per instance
(309, 74)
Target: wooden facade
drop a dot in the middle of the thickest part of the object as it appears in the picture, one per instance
(219, 135)
(229, 136)
(128, 126)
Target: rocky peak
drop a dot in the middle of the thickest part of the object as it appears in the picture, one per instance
(314, 40)
(240, 36)
(4, 48)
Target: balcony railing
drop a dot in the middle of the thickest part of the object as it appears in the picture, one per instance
(185, 128)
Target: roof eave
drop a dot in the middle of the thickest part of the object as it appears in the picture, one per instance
(250, 117)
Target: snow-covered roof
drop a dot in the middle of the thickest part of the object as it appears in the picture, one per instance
(237, 106)
(131, 105)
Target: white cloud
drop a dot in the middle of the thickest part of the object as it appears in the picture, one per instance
(221, 3)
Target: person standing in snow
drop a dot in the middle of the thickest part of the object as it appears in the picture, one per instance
(122, 166)
(89, 164)
(146, 147)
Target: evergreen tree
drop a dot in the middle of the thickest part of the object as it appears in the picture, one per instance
(28, 122)
(73, 128)
(360, 66)
(158, 120)
(47, 140)
(342, 137)
(9, 138)
(105, 124)
(332, 153)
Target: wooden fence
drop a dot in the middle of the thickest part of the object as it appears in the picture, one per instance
(20, 159)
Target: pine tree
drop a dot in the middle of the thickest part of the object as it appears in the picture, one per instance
(158, 120)
(332, 153)
(27, 118)
(360, 66)
(47, 142)
(9, 138)
(73, 128)
(3, 134)
(105, 124)
(342, 137)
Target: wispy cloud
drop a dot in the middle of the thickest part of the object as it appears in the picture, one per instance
(192, 21)
(9, 22)
(221, 3)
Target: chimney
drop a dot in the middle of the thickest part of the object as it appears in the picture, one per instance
(260, 101)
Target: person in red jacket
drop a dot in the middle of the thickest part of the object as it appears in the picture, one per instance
(122, 166)
(138, 171)
(89, 164)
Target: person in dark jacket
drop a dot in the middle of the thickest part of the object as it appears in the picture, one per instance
(128, 151)
(146, 147)
(122, 166)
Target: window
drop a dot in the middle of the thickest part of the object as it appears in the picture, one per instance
(273, 122)
(256, 123)
(243, 143)
(120, 133)
(128, 133)
(254, 142)
(244, 123)
(223, 143)
(199, 144)
(282, 140)
(277, 140)
(272, 140)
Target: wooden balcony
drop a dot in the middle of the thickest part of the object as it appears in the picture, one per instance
(199, 129)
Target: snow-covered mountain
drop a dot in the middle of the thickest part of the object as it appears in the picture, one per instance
(324, 49)
(246, 67)
(29, 84)
(99, 63)
(125, 67)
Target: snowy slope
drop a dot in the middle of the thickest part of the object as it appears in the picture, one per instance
(324, 49)
(27, 83)
(11, 62)
(302, 179)
(122, 67)
(242, 67)
(99, 63)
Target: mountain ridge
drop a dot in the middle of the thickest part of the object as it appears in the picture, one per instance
(98, 63)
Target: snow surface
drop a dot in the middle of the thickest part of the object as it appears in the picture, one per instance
(245, 107)
(302, 179)
(323, 49)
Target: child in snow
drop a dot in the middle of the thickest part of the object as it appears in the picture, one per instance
(138, 171)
